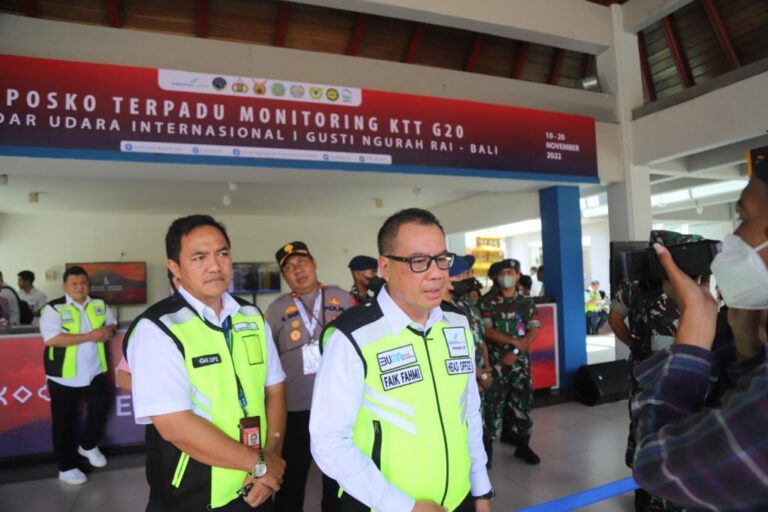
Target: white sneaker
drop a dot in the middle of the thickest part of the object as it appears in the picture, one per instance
(73, 477)
(94, 456)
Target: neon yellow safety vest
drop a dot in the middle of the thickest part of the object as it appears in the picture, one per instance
(176, 480)
(413, 418)
(591, 305)
(62, 361)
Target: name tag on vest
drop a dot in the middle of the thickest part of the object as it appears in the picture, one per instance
(198, 362)
(246, 326)
(400, 378)
(396, 358)
(457, 341)
(459, 366)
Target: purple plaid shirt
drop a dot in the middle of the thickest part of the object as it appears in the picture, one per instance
(702, 458)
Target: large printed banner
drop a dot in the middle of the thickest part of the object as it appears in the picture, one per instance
(544, 349)
(25, 410)
(82, 110)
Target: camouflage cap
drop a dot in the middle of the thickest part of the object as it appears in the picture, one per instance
(669, 238)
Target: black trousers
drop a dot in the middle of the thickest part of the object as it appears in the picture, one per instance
(65, 402)
(236, 505)
(297, 460)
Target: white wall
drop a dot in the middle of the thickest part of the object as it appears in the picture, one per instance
(40, 243)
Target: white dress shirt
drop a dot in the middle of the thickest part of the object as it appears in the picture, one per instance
(88, 364)
(338, 395)
(34, 297)
(160, 383)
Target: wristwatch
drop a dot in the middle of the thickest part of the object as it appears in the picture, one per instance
(515, 350)
(260, 468)
(484, 376)
(487, 496)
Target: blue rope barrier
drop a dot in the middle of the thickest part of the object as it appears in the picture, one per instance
(585, 498)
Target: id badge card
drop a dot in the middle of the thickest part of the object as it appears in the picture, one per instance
(250, 432)
(310, 355)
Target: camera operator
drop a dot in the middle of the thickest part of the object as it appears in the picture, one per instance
(652, 323)
(699, 457)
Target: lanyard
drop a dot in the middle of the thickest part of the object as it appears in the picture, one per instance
(226, 326)
(310, 324)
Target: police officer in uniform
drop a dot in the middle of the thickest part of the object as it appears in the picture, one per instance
(396, 411)
(511, 326)
(297, 320)
(207, 382)
(652, 318)
(365, 281)
(74, 328)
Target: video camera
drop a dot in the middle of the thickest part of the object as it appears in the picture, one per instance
(636, 261)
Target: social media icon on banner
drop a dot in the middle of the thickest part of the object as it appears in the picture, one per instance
(361, 158)
(236, 152)
(129, 147)
(195, 150)
(326, 157)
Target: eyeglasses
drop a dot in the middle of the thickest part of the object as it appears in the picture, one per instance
(421, 264)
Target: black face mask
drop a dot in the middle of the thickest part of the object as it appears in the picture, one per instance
(460, 288)
(375, 283)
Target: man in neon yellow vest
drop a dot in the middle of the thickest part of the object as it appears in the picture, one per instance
(74, 328)
(396, 412)
(595, 307)
(207, 381)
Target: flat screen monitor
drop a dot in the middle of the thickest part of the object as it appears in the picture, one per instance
(255, 277)
(121, 282)
(618, 267)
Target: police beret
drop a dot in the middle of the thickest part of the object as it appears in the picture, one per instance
(670, 238)
(461, 264)
(758, 163)
(493, 270)
(363, 263)
(509, 263)
(289, 250)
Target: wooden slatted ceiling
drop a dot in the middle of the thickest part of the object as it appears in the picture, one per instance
(243, 21)
(699, 43)
(496, 57)
(747, 23)
(444, 47)
(385, 38)
(538, 62)
(321, 29)
(169, 16)
(91, 12)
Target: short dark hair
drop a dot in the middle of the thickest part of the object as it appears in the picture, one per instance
(391, 226)
(27, 275)
(526, 281)
(183, 226)
(77, 270)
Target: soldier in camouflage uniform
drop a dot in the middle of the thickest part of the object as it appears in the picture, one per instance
(511, 325)
(652, 318)
(363, 269)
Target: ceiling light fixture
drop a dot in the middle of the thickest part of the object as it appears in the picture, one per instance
(226, 200)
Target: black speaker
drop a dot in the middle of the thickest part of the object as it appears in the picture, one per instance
(600, 383)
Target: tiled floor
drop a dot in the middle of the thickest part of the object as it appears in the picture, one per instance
(580, 447)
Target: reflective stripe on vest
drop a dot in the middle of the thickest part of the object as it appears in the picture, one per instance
(211, 371)
(412, 422)
(62, 361)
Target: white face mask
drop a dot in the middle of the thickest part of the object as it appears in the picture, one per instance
(741, 274)
(507, 282)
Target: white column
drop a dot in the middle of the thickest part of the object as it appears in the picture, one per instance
(629, 202)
